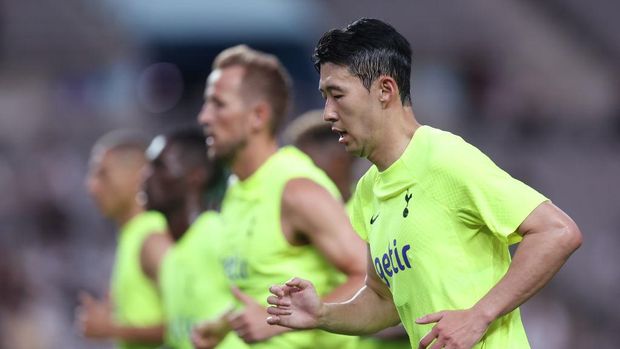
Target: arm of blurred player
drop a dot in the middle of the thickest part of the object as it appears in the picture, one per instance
(95, 320)
(154, 249)
(311, 214)
(549, 238)
(297, 305)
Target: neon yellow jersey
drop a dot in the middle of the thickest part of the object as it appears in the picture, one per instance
(135, 296)
(370, 342)
(256, 254)
(193, 284)
(439, 221)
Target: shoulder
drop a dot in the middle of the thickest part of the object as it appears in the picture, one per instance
(154, 248)
(146, 224)
(207, 220)
(296, 168)
(204, 231)
(451, 157)
(301, 192)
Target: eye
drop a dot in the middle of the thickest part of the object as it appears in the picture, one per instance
(337, 97)
(214, 102)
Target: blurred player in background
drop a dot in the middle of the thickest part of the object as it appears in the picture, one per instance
(133, 314)
(193, 284)
(312, 135)
(281, 213)
(437, 213)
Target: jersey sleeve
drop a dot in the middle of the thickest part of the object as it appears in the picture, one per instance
(485, 195)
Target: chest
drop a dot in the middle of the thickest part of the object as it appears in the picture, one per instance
(407, 231)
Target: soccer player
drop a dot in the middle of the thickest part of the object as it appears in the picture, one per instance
(192, 280)
(280, 213)
(439, 215)
(133, 315)
(312, 135)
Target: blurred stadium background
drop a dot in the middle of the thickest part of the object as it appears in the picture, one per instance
(534, 84)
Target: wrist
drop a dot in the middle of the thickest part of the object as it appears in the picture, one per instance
(485, 312)
(322, 316)
(113, 330)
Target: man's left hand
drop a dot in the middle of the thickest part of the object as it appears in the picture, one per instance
(454, 329)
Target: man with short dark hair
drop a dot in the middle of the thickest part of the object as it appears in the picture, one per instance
(280, 213)
(192, 281)
(438, 214)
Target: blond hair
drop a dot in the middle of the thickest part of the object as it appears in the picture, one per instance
(264, 75)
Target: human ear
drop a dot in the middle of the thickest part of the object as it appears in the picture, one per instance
(261, 116)
(388, 89)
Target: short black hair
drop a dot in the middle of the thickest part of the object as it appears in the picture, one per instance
(369, 48)
(192, 143)
(310, 127)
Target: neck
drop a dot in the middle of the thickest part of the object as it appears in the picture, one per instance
(253, 155)
(343, 183)
(391, 143)
(182, 216)
(133, 210)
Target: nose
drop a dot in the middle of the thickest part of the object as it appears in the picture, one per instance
(205, 115)
(329, 114)
(90, 184)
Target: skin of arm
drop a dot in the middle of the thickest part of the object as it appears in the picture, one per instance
(296, 305)
(154, 249)
(309, 211)
(549, 238)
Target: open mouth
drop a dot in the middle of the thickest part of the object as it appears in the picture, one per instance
(341, 134)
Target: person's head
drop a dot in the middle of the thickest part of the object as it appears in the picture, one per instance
(178, 168)
(364, 70)
(312, 135)
(115, 172)
(247, 95)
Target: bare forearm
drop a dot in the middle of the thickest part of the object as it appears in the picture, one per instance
(536, 260)
(392, 333)
(150, 335)
(364, 314)
(346, 290)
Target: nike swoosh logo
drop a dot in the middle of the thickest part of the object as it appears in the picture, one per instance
(374, 218)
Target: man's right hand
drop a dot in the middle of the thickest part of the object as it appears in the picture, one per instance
(94, 317)
(294, 304)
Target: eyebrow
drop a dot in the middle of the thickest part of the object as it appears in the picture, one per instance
(330, 88)
(213, 98)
